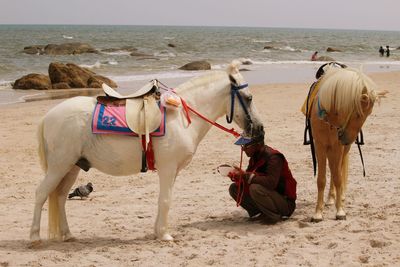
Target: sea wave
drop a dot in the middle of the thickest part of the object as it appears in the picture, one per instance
(67, 37)
(164, 53)
(260, 41)
(99, 64)
(5, 84)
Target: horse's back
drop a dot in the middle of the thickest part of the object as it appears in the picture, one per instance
(79, 104)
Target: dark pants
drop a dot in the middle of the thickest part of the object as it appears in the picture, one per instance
(262, 200)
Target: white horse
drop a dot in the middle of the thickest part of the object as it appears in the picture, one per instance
(65, 136)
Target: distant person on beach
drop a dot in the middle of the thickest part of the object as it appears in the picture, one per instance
(269, 190)
(387, 51)
(314, 56)
(381, 51)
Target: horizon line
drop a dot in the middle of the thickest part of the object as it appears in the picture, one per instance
(210, 26)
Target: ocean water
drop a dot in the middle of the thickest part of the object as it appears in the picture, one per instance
(288, 49)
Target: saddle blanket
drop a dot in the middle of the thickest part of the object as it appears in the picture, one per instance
(310, 98)
(111, 120)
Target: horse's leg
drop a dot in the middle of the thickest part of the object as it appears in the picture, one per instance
(167, 179)
(344, 174)
(48, 185)
(321, 181)
(63, 189)
(335, 157)
(345, 170)
(332, 193)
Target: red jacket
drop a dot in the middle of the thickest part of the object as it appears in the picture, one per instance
(272, 171)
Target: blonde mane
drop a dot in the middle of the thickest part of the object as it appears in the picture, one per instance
(341, 90)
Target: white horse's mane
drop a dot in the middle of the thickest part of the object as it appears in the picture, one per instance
(341, 90)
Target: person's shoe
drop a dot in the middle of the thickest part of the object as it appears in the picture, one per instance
(257, 217)
(284, 218)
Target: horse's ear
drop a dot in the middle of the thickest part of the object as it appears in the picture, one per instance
(365, 101)
(381, 94)
(364, 98)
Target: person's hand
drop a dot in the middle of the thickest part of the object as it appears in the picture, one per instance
(239, 174)
(235, 174)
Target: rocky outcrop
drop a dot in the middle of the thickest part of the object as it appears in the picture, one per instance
(64, 76)
(68, 49)
(332, 49)
(60, 49)
(269, 47)
(33, 81)
(196, 65)
(34, 49)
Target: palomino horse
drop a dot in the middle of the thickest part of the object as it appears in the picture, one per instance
(344, 100)
(65, 136)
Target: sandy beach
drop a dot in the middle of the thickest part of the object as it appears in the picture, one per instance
(114, 227)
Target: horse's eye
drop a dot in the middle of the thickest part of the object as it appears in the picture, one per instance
(249, 98)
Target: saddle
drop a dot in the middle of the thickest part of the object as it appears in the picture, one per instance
(143, 114)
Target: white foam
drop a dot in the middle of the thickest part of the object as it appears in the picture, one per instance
(164, 54)
(5, 84)
(261, 41)
(68, 37)
(110, 62)
(99, 64)
(96, 65)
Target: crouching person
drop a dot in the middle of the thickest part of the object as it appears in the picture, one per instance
(267, 189)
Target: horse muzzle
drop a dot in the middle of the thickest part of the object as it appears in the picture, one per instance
(255, 130)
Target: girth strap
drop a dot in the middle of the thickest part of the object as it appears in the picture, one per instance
(310, 140)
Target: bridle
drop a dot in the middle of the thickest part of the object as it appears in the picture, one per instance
(322, 114)
(235, 92)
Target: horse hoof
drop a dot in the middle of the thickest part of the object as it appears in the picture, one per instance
(340, 217)
(167, 237)
(35, 244)
(316, 220)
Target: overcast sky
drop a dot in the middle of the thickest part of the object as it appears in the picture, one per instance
(334, 14)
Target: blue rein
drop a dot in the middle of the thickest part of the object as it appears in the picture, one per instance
(235, 91)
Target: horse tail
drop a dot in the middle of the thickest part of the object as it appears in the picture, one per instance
(41, 149)
(54, 216)
(54, 213)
